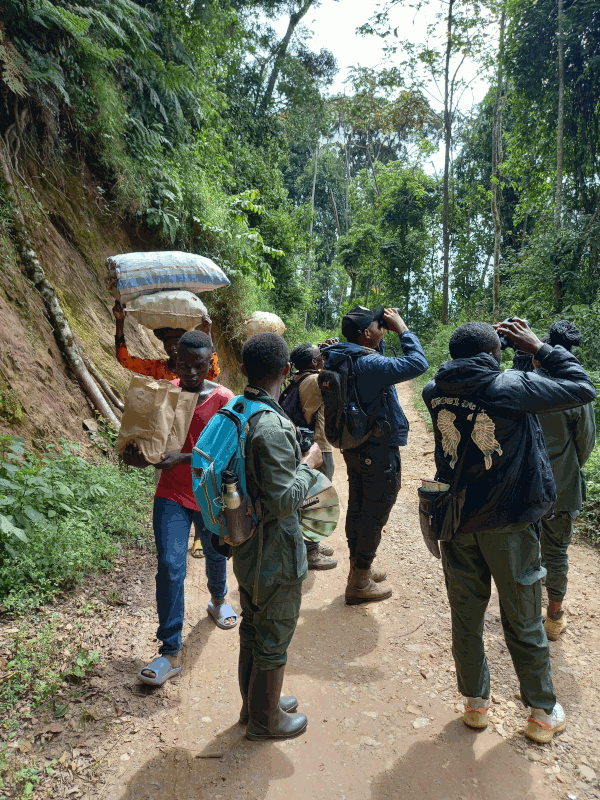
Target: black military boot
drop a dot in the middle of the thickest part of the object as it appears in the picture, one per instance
(245, 662)
(267, 720)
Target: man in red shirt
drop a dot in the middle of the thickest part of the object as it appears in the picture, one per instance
(161, 369)
(175, 509)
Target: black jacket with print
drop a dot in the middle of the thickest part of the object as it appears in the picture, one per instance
(506, 470)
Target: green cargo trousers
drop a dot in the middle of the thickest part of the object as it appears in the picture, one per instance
(267, 627)
(555, 540)
(513, 560)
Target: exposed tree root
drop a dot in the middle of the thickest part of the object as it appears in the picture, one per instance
(35, 272)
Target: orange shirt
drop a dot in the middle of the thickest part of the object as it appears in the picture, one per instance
(156, 368)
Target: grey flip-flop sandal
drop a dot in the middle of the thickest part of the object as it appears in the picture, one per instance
(220, 613)
(162, 669)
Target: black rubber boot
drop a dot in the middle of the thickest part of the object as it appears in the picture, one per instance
(245, 662)
(267, 720)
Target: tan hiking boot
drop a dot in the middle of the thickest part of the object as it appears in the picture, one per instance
(377, 575)
(362, 589)
(541, 727)
(476, 712)
(554, 627)
(316, 560)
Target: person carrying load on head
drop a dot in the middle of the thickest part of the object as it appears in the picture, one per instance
(161, 369)
(570, 438)
(372, 430)
(303, 403)
(486, 428)
(175, 509)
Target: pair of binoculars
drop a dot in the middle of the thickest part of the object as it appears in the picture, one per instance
(384, 323)
(505, 342)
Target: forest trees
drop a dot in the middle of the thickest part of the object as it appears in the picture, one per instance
(220, 135)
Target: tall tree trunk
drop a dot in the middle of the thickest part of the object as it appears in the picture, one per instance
(560, 122)
(35, 272)
(282, 47)
(447, 147)
(497, 158)
(335, 211)
(560, 125)
(347, 184)
(312, 219)
(432, 269)
(106, 390)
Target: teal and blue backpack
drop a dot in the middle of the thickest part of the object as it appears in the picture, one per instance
(221, 447)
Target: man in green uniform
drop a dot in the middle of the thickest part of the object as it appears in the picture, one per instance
(271, 565)
(508, 487)
(570, 437)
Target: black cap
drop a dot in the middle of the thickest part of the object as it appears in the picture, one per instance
(358, 319)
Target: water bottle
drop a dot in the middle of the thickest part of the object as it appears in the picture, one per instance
(355, 420)
(232, 498)
(235, 508)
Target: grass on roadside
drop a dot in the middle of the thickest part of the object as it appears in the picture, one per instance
(40, 662)
(62, 517)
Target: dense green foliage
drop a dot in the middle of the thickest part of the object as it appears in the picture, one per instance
(202, 124)
(58, 520)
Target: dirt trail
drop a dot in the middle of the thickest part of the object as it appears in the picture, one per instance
(377, 684)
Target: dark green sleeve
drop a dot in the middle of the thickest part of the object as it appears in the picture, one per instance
(283, 485)
(584, 435)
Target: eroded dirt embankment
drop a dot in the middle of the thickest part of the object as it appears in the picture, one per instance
(73, 231)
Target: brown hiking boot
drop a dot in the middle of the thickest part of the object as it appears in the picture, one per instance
(377, 575)
(316, 560)
(362, 589)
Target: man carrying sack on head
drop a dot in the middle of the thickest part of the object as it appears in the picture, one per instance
(485, 424)
(175, 509)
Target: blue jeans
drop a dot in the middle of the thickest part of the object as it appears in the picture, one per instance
(172, 523)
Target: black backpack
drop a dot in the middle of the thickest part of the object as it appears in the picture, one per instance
(346, 424)
(289, 400)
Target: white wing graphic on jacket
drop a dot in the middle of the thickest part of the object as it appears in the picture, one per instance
(450, 436)
(484, 436)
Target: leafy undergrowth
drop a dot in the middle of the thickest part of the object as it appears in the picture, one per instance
(589, 522)
(62, 517)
